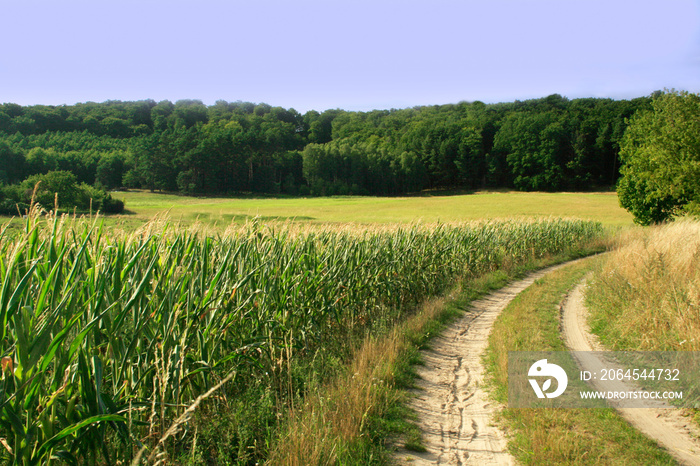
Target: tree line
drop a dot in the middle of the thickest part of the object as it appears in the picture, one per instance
(546, 144)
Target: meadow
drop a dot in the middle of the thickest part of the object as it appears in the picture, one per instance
(188, 345)
(601, 206)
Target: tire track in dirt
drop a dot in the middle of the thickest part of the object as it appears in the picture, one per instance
(664, 425)
(455, 414)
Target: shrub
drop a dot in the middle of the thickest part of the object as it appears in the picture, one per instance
(55, 186)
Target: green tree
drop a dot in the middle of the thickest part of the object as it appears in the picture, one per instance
(190, 112)
(41, 160)
(115, 127)
(110, 170)
(536, 145)
(661, 156)
(11, 164)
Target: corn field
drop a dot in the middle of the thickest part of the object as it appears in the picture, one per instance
(110, 341)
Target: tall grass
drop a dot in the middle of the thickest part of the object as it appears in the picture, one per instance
(647, 294)
(109, 342)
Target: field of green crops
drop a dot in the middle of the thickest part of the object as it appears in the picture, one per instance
(117, 347)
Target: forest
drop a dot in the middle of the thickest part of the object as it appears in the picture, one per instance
(547, 144)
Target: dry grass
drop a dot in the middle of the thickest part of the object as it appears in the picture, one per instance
(646, 296)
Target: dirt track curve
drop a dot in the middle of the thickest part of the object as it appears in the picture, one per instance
(665, 425)
(454, 412)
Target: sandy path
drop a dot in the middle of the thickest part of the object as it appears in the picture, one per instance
(455, 414)
(665, 426)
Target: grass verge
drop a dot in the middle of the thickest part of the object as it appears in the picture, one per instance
(646, 295)
(548, 435)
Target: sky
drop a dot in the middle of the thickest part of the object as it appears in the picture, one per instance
(348, 54)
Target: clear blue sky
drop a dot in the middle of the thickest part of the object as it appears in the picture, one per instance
(350, 54)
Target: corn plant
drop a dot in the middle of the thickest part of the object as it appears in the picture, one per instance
(107, 339)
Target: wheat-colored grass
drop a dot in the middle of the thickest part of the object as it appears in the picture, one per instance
(647, 294)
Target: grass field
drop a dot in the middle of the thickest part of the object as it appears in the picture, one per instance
(602, 207)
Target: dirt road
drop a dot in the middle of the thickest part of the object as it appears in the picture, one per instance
(666, 426)
(455, 413)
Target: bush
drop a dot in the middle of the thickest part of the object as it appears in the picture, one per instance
(61, 183)
(111, 205)
(11, 208)
(101, 200)
(53, 185)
